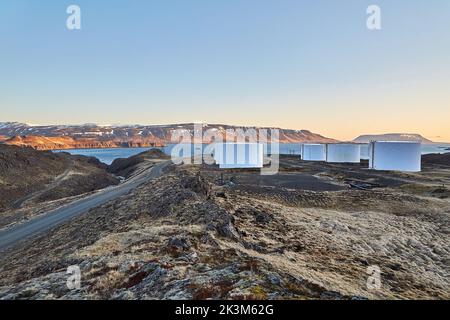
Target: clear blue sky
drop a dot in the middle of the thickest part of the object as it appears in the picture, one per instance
(290, 63)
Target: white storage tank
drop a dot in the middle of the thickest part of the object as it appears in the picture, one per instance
(395, 156)
(313, 152)
(239, 155)
(343, 153)
(364, 151)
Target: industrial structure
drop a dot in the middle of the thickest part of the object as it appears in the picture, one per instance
(395, 156)
(239, 155)
(343, 153)
(314, 152)
(382, 155)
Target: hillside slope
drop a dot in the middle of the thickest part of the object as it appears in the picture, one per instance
(125, 167)
(27, 175)
(186, 236)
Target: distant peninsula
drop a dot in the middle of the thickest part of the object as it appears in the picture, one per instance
(392, 137)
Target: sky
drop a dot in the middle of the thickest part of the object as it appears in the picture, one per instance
(294, 64)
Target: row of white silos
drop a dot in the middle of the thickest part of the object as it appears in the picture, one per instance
(238, 155)
(383, 155)
(335, 153)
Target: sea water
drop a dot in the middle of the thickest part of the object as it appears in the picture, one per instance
(108, 155)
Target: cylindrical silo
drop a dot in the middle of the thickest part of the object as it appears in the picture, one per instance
(239, 155)
(395, 156)
(343, 153)
(364, 151)
(313, 152)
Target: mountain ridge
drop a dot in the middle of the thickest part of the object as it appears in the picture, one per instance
(85, 136)
(52, 137)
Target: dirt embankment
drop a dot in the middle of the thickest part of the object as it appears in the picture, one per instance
(184, 236)
(440, 159)
(30, 176)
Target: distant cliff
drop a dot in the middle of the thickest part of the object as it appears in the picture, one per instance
(93, 136)
(392, 137)
(61, 143)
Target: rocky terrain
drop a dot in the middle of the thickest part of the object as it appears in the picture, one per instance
(436, 159)
(200, 233)
(94, 136)
(28, 177)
